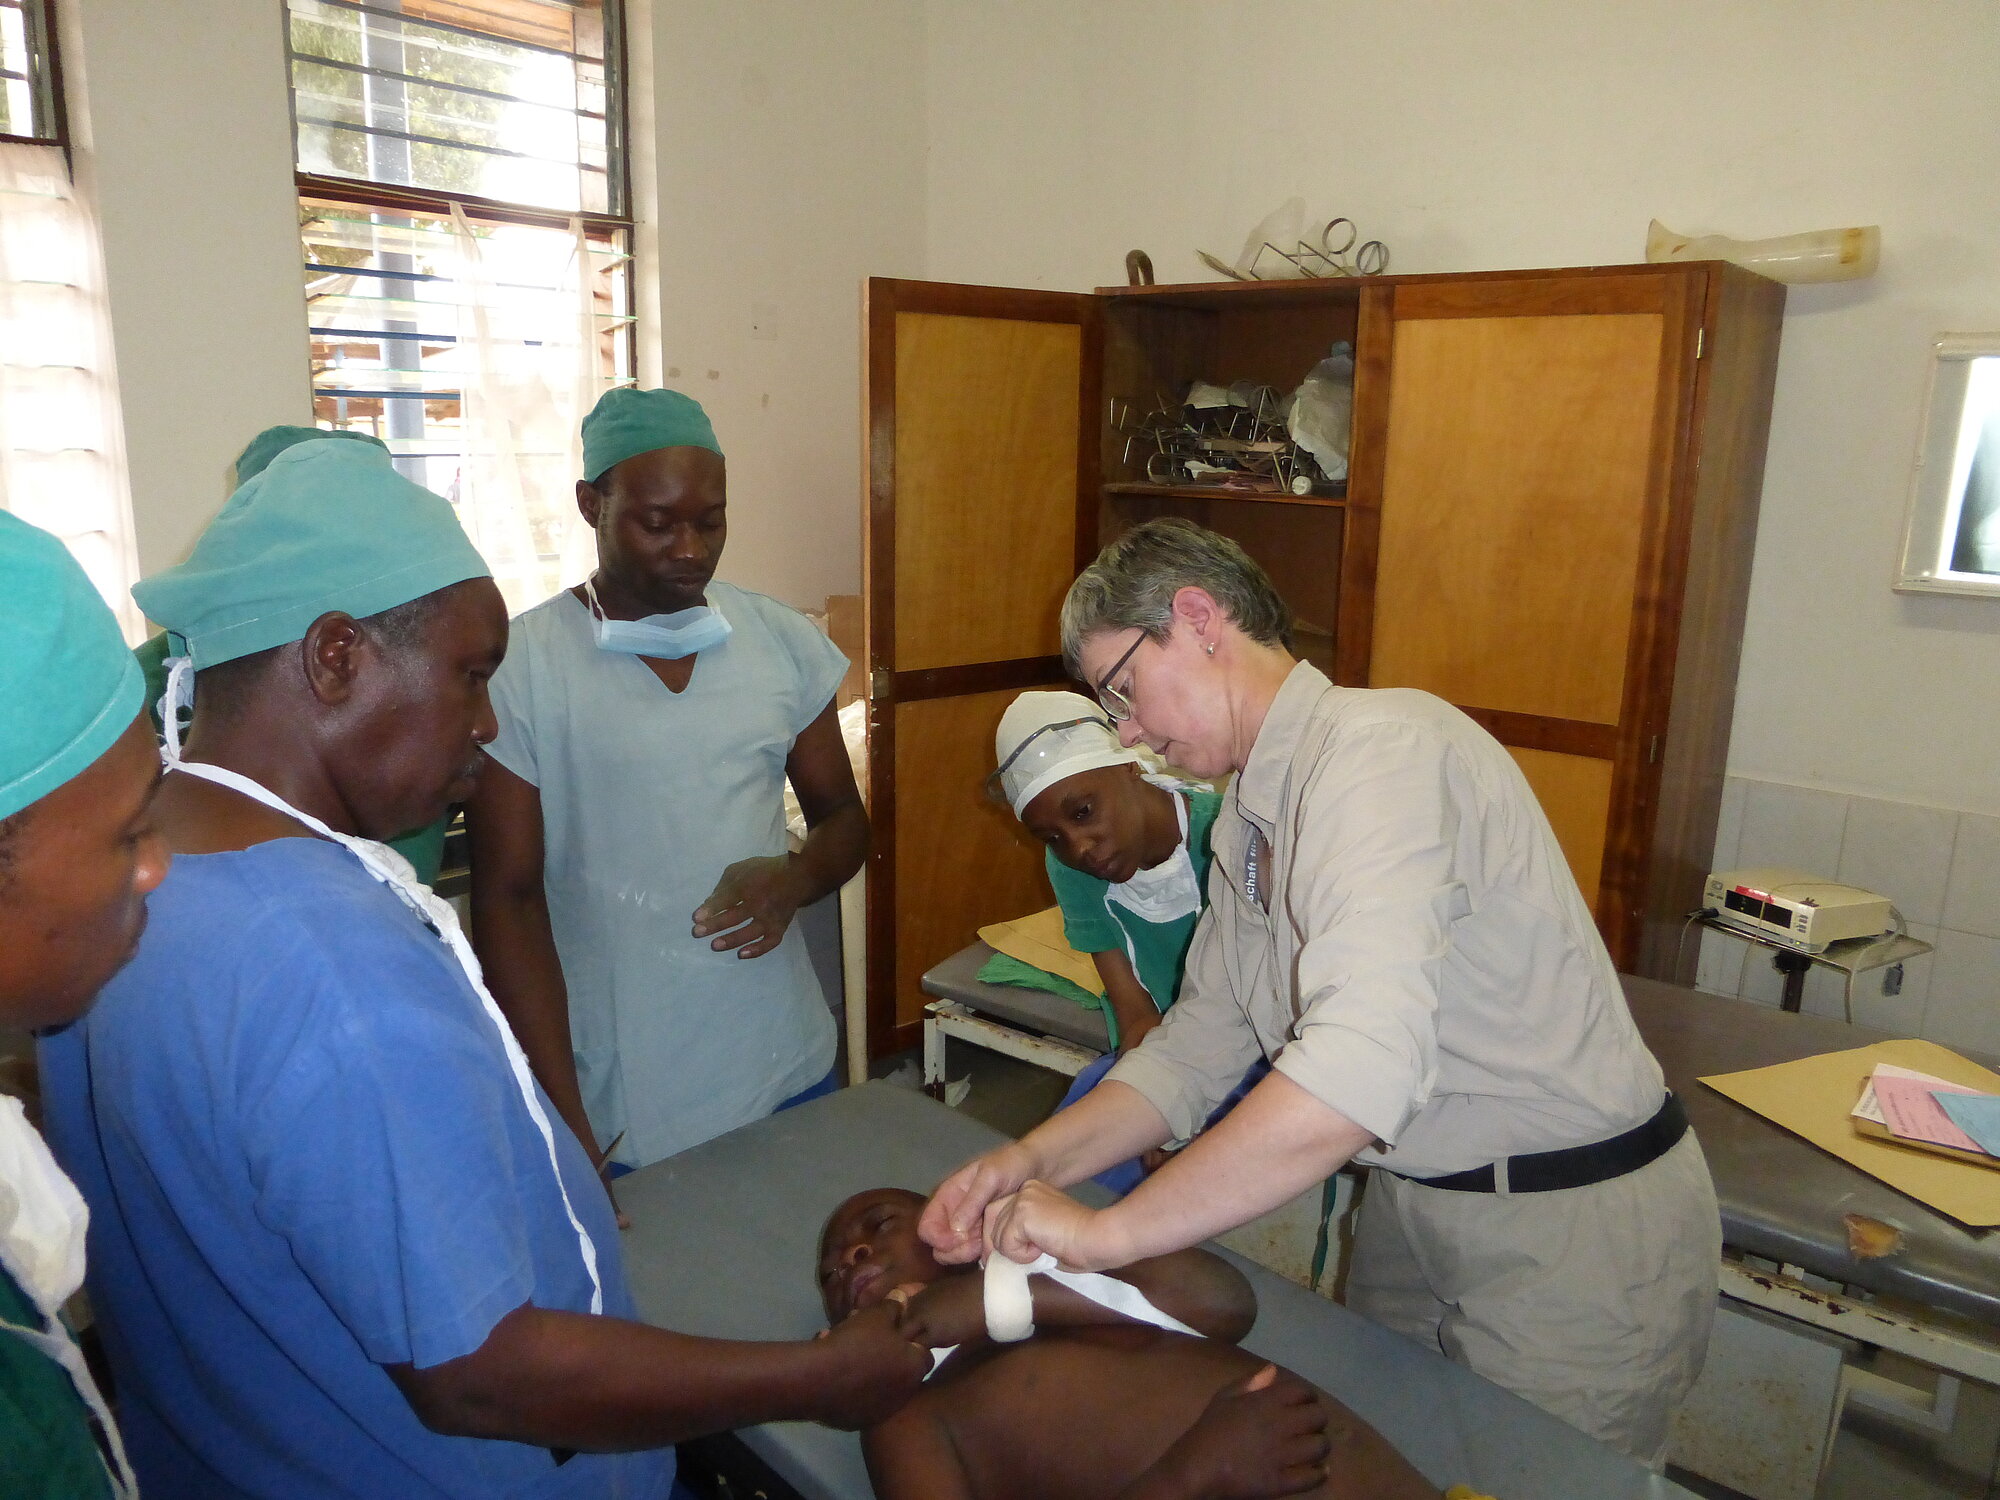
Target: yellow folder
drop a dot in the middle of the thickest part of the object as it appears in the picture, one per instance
(1813, 1096)
(1039, 940)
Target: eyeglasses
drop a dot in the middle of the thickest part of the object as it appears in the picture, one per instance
(995, 783)
(1114, 702)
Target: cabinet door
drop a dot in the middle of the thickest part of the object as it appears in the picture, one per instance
(1526, 443)
(981, 510)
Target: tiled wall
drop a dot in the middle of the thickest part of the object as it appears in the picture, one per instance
(1940, 867)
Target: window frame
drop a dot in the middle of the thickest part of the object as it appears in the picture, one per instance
(616, 141)
(43, 43)
(393, 197)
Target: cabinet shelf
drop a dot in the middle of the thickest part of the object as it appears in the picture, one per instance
(1217, 492)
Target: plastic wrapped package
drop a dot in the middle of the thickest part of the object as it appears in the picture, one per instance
(1322, 415)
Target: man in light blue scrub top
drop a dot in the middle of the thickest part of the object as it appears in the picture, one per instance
(341, 1246)
(632, 894)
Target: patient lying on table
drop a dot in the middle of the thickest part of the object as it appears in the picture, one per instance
(1095, 1406)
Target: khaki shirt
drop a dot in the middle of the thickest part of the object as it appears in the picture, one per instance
(1427, 966)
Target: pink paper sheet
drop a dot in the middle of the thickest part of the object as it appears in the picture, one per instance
(1911, 1112)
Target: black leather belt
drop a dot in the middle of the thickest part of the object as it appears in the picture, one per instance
(1575, 1166)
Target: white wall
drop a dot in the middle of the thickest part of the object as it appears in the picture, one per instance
(788, 165)
(801, 145)
(1546, 133)
(184, 146)
(1941, 867)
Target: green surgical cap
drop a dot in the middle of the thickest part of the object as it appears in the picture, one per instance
(69, 687)
(327, 526)
(272, 441)
(626, 423)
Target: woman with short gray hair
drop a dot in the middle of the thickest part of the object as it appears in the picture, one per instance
(1393, 925)
(1134, 580)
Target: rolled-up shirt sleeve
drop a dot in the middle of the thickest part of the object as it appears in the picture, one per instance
(1374, 893)
(1201, 1049)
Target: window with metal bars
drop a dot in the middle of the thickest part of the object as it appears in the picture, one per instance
(394, 312)
(499, 101)
(462, 207)
(30, 76)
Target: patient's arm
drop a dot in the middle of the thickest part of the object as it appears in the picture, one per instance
(1202, 1290)
(1265, 1436)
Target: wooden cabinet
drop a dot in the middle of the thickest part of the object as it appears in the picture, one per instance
(1548, 521)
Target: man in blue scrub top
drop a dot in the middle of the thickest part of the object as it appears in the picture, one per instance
(631, 891)
(423, 848)
(341, 1246)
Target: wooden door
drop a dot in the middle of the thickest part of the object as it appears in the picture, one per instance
(980, 406)
(1518, 449)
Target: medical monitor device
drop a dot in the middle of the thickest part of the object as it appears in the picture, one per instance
(1795, 908)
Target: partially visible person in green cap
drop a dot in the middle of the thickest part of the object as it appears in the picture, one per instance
(424, 848)
(78, 855)
(344, 1245)
(633, 895)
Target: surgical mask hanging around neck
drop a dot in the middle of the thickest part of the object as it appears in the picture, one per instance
(1168, 891)
(669, 636)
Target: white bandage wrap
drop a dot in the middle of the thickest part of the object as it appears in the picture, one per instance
(1010, 1303)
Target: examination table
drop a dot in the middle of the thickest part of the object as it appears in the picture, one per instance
(1781, 1198)
(723, 1243)
(1785, 1199)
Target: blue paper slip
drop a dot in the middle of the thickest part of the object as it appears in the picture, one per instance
(1978, 1115)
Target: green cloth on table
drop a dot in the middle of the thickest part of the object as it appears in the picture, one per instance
(424, 849)
(1001, 969)
(47, 1448)
(1095, 924)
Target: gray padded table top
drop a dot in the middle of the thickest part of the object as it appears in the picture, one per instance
(1783, 1198)
(723, 1240)
(957, 978)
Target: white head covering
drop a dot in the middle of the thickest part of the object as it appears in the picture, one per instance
(1045, 737)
